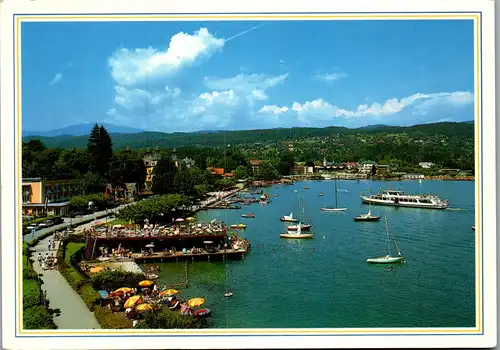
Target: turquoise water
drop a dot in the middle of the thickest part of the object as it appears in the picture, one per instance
(326, 282)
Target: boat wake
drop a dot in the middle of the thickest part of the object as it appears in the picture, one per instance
(456, 209)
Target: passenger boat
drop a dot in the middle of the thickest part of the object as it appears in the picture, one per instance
(388, 259)
(289, 218)
(402, 199)
(248, 216)
(367, 217)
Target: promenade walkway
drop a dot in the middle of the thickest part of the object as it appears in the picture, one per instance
(74, 312)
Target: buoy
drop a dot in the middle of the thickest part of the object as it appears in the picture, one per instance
(228, 294)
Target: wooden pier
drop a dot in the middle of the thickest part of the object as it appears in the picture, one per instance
(205, 256)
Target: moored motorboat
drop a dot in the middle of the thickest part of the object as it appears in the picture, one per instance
(201, 312)
(367, 217)
(251, 216)
(303, 227)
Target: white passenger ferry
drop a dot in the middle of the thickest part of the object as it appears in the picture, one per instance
(402, 199)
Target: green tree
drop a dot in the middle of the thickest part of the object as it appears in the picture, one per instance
(100, 149)
(240, 172)
(164, 174)
(267, 172)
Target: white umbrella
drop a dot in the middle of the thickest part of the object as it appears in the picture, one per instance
(179, 220)
(151, 245)
(208, 242)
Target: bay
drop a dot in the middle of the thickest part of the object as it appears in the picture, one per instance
(325, 282)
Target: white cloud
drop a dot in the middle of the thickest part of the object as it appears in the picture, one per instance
(406, 110)
(56, 79)
(329, 77)
(129, 67)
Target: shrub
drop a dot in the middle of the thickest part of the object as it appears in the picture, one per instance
(168, 319)
(38, 317)
(89, 296)
(32, 293)
(115, 279)
(109, 320)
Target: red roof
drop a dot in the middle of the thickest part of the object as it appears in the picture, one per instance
(218, 171)
(255, 162)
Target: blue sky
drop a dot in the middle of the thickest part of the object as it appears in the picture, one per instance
(188, 76)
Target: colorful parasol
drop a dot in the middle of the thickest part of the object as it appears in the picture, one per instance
(146, 283)
(136, 299)
(195, 302)
(169, 292)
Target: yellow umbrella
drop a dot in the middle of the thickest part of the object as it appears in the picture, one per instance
(143, 307)
(123, 290)
(169, 292)
(136, 299)
(96, 269)
(195, 302)
(146, 283)
(190, 218)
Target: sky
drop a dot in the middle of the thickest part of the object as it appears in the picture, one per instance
(190, 76)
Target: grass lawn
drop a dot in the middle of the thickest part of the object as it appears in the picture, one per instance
(117, 222)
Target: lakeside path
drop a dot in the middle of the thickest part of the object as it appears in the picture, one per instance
(74, 312)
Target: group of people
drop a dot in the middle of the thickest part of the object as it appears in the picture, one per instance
(47, 262)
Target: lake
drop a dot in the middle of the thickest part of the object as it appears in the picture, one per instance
(326, 281)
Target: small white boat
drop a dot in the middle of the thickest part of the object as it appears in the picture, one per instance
(367, 217)
(296, 235)
(473, 228)
(228, 294)
(333, 209)
(289, 218)
(388, 259)
(385, 259)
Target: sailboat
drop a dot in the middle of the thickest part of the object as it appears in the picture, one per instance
(388, 259)
(297, 231)
(336, 208)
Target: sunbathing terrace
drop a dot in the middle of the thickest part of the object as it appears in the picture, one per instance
(153, 243)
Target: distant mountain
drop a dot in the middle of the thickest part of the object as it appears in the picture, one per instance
(147, 139)
(82, 129)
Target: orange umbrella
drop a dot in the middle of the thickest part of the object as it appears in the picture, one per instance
(97, 269)
(195, 302)
(146, 283)
(143, 307)
(169, 292)
(123, 290)
(136, 299)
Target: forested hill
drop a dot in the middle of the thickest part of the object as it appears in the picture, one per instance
(221, 138)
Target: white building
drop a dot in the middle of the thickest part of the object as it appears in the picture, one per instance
(426, 165)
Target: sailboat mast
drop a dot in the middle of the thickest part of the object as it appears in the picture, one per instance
(387, 232)
(336, 206)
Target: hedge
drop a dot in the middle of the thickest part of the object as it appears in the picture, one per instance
(38, 317)
(115, 279)
(36, 314)
(39, 220)
(89, 296)
(109, 320)
(32, 293)
(167, 319)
